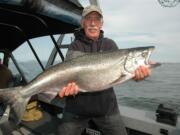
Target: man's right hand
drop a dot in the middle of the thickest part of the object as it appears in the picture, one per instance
(69, 90)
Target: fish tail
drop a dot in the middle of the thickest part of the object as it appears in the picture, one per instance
(18, 103)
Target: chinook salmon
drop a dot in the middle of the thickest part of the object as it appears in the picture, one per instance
(91, 72)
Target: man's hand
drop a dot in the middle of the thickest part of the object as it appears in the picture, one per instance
(69, 90)
(141, 73)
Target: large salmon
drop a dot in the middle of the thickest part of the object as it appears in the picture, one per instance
(92, 72)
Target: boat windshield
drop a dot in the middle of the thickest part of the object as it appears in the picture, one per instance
(46, 52)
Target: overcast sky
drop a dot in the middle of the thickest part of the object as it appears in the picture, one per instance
(133, 23)
(141, 23)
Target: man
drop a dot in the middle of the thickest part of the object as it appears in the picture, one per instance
(99, 107)
(6, 76)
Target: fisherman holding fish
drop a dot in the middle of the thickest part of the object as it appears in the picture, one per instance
(100, 107)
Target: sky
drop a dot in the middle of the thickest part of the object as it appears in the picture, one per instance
(134, 23)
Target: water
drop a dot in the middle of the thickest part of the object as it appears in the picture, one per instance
(163, 86)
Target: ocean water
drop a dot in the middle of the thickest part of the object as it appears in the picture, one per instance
(162, 87)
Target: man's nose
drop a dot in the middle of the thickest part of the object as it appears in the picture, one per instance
(92, 22)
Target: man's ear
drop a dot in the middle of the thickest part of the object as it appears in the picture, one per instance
(102, 23)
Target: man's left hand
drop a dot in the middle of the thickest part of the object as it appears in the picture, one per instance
(141, 73)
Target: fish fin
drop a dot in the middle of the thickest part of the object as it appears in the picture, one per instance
(14, 98)
(18, 109)
(83, 90)
(121, 79)
(47, 96)
(74, 54)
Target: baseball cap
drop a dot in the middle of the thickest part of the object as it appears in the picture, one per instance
(91, 8)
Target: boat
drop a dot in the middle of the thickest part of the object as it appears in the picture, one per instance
(21, 21)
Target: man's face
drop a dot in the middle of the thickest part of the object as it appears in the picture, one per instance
(92, 24)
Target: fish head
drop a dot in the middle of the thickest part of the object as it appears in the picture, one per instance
(138, 57)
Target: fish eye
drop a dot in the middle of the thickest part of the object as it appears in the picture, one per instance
(144, 54)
